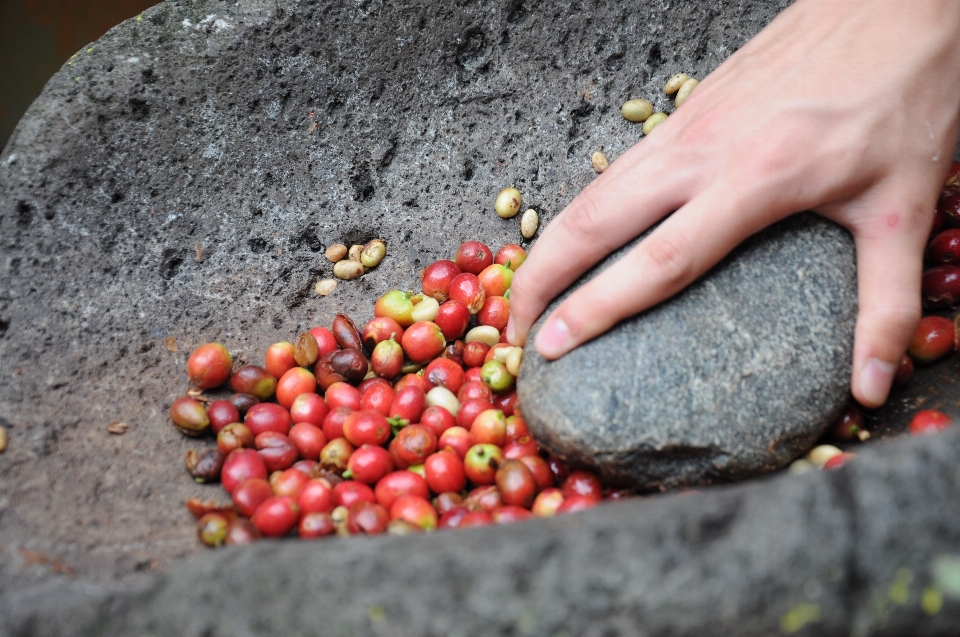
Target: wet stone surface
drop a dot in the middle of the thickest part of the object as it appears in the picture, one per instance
(737, 375)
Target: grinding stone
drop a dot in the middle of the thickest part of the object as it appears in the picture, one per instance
(735, 376)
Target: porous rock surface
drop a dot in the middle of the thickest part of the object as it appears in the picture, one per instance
(181, 177)
(737, 375)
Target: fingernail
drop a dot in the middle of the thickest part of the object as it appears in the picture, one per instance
(554, 339)
(511, 330)
(875, 380)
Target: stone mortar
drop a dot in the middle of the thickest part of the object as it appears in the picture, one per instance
(182, 176)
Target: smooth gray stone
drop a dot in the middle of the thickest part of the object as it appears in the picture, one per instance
(733, 377)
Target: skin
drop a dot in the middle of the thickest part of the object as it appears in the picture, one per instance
(844, 107)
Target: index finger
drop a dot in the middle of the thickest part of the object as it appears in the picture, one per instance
(616, 207)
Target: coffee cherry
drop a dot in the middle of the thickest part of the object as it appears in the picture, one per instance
(366, 427)
(250, 494)
(849, 426)
(387, 358)
(332, 426)
(396, 305)
(189, 416)
(452, 318)
(540, 470)
(373, 253)
(684, 92)
(414, 443)
(574, 503)
(240, 465)
(326, 342)
(949, 205)
(378, 397)
(484, 498)
(316, 496)
(379, 329)
(496, 376)
(472, 257)
(495, 312)
(467, 289)
(368, 518)
(206, 466)
(838, 461)
(929, 421)
(221, 413)
(309, 408)
(547, 503)
(481, 463)
(820, 454)
(530, 221)
(516, 483)
(234, 436)
(508, 514)
(436, 279)
(582, 483)
(212, 529)
(369, 463)
(315, 525)
(456, 439)
(254, 380)
(425, 309)
(438, 418)
(523, 446)
(397, 484)
(474, 390)
(241, 532)
(447, 501)
(905, 370)
(945, 248)
(349, 492)
(335, 454)
(295, 382)
(490, 426)
(264, 417)
(277, 516)
(243, 402)
(510, 255)
(408, 404)
(444, 472)
(279, 359)
(415, 509)
(423, 342)
(940, 286)
(308, 439)
(932, 339)
(343, 395)
(209, 366)
(276, 449)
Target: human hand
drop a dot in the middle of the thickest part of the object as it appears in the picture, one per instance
(846, 108)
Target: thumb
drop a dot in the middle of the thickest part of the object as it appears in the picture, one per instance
(889, 269)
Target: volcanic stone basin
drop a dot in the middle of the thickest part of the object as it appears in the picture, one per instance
(181, 177)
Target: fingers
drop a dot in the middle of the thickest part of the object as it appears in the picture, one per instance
(620, 204)
(889, 267)
(668, 260)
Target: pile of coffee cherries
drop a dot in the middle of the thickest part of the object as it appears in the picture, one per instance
(935, 337)
(408, 425)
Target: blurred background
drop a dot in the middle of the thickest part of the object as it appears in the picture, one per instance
(38, 36)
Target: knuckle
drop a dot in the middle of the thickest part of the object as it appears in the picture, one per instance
(899, 317)
(583, 220)
(670, 256)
